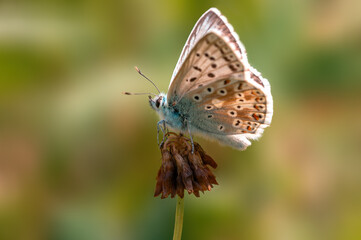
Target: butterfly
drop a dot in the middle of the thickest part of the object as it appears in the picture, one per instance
(214, 92)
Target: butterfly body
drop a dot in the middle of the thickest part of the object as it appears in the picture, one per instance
(214, 91)
(178, 117)
(171, 115)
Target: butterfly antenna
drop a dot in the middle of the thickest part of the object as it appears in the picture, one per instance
(129, 93)
(137, 69)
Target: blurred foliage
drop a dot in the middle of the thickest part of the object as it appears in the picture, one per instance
(78, 160)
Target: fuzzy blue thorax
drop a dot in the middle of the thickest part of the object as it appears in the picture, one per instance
(168, 113)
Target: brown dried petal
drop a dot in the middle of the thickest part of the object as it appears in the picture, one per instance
(206, 158)
(159, 185)
(200, 175)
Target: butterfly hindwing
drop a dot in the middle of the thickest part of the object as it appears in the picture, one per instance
(228, 106)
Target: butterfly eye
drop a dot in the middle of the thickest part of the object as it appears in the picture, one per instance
(157, 103)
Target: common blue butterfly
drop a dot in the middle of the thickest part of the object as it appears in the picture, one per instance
(214, 91)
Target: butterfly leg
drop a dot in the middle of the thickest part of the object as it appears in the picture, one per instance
(165, 126)
(190, 136)
(159, 127)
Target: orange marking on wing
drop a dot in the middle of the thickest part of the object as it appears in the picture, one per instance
(227, 81)
(255, 116)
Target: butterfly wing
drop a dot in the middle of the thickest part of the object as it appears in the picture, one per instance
(210, 21)
(210, 59)
(216, 89)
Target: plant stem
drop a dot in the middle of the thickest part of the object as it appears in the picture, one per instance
(178, 225)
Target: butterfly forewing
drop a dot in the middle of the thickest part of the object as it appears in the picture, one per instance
(210, 59)
(210, 21)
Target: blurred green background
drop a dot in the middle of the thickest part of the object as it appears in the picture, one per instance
(78, 160)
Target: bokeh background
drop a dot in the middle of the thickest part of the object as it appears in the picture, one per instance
(78, 160)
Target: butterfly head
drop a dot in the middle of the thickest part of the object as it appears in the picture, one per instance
(158, 101)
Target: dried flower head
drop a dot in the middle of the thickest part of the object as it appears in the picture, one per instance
(183, 170)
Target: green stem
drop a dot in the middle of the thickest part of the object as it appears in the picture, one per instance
(178, 225)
